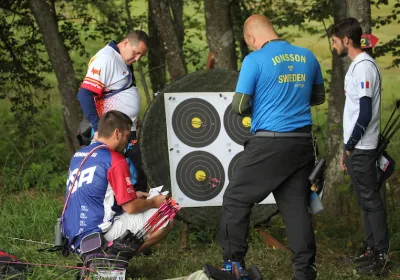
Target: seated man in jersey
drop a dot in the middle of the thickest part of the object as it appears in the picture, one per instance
(103, 198)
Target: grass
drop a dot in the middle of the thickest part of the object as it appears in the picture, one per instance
(31, 215)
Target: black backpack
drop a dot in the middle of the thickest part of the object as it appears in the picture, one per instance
(84, 135)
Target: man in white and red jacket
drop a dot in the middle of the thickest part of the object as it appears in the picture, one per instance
(110, 85)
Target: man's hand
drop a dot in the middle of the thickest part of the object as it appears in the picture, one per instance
(348, 153)
(140, 194)
(142, 204)
(342, 161)
(159, 200)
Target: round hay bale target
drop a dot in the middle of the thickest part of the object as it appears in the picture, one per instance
(154, 143)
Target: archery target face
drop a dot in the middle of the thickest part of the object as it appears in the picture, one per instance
(233, 163)
(200, 176)
(237, 127)
(205, 142)
(196, 122)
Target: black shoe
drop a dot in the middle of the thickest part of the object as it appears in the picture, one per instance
(380, 265)
(365, 258)
(308, 273)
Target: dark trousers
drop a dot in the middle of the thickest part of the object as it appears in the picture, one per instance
(280, 166)
(136, 156)
(361, 166)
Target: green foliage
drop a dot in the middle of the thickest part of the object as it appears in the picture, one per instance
(24, 60)
(109, 20)
(70, 33)
(43, 176)
(392, 46)
(36, 156)
(194, 45)
(285, 13)
(318, 10)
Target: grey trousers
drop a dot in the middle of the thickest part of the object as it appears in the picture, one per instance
(361, 166)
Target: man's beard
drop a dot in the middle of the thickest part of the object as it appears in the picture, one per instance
(121, 148)
(343, 53)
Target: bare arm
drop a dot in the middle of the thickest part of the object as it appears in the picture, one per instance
(141, 204)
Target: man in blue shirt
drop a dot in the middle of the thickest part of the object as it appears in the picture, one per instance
(277, 85)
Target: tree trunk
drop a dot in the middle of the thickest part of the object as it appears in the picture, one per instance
(334, 145)
(160, 10)
(144, 83)
(129, 22)
(361, 10)
(156, 59)
(239, 15)
(220, 33)
(62, 65)
(177, 12)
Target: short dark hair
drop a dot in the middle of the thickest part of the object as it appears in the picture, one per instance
(137, 36)
(348, 27)
(111, 121)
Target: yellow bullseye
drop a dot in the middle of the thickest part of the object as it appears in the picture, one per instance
(200, 175)
(246, 121)
(196, 122)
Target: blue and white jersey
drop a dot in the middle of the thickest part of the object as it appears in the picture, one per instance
(280, 78)
(102, 186)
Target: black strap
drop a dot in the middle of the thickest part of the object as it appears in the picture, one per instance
(114, 92)
(377, 70)
(273, 40)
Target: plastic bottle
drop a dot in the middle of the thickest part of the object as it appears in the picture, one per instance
(58, 234)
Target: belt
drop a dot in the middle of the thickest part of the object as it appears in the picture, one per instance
(283, 134)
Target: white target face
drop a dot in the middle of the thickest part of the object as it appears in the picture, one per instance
(237, 127)
(205, 142)
(196, 122)
(200, 176)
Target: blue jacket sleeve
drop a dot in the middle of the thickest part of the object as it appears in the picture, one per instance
(86, 98)
(363, 120)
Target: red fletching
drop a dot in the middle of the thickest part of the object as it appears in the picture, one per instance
(164, 213)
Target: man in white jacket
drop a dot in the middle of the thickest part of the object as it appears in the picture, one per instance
(361, 131)
(110, 85)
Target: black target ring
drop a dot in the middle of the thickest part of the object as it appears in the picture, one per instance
(235, 126)
(196, 122)
(233, 164)
(200, 176)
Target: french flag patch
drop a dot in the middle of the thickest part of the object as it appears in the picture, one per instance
(366, 84)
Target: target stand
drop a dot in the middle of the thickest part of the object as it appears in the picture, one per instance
(205, 142)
